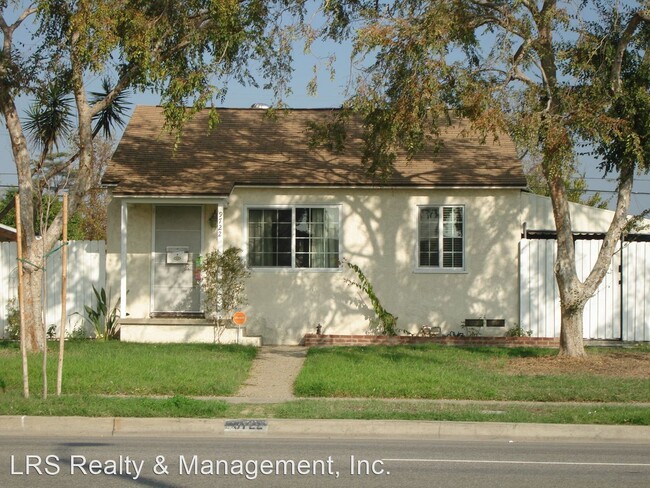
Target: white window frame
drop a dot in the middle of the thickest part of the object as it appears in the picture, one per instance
(440, 269)
(293, 207)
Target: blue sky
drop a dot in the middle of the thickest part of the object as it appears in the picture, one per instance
(330, 94)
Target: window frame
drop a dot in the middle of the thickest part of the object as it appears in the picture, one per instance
(420, 268)
(293, 208)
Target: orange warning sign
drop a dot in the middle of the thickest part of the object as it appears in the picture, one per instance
(239, 318)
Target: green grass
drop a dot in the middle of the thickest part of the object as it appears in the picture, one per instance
(432, 411)
(441, 372)
(118, 368)
(113, 379)
(183, 407)
(102, 406)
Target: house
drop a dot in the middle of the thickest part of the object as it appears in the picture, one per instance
(438, 238)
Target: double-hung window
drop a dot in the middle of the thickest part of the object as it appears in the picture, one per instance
(295, 237)
(441, 235)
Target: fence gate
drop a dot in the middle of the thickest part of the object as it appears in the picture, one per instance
(620, 309)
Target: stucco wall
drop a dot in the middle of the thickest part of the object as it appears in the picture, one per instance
(139, 256)
(378, 233)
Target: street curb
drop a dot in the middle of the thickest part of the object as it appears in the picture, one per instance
(182, 427)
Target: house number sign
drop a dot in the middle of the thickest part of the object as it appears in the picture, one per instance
(246, 425)
(220, 223)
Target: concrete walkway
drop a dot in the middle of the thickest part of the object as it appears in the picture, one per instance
(272, 375)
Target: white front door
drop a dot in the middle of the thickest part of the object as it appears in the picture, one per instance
(176, 247)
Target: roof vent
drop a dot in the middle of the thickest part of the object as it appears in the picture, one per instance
(261, 106)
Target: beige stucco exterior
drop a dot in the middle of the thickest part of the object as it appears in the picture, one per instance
(378, 233)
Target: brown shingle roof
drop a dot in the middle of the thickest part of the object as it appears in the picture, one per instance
(249, 148)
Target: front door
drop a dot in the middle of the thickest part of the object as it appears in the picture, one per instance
(177, 245)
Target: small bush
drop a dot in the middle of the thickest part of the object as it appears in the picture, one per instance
(12, 327)
(518, 331)
(223, 280)
(103, 319)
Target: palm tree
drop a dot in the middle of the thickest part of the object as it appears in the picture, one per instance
(113, 114)
(48, 118)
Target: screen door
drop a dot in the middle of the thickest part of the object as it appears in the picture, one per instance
(177, 245)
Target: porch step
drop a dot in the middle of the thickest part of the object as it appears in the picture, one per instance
(182, 330)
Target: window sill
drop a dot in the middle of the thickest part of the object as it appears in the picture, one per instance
(280, 270)
(439, 271)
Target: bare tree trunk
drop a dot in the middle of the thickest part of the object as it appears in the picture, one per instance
(571, 343)
(572, 298)
(33, 312)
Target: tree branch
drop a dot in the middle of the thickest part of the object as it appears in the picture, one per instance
(626, 37)
(7, 29)
(201, 21)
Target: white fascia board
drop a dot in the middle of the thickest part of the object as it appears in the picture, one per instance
(7, 228)
(173, 199)
(381, 187)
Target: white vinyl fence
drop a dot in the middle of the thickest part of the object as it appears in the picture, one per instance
(86, 267)
(619, 310)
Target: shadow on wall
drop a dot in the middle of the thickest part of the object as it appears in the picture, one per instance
(488, 288)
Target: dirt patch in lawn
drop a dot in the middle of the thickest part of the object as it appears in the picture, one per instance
(621, 364)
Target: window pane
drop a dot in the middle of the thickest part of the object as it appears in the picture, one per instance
(271, 237)
(317, 231)
(431, 247)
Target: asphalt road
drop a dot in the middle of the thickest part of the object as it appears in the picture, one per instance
(264, 461)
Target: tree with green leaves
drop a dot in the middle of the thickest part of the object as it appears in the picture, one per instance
(185, 50)
(576, 184)
(555, 75)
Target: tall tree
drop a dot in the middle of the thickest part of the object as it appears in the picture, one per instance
(185, 50)
(553, 74)
(577, 190)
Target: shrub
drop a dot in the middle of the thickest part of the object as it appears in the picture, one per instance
(223, 280)
(103, 319)
(12, 327)
(518, 331)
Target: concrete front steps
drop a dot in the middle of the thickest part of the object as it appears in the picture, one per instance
(183, 330)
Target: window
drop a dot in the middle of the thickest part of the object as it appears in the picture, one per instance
(440, 237)
(297, 237)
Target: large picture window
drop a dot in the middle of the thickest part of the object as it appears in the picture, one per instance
(441, 235)
(297, 237)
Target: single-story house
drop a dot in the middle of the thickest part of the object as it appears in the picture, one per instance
(438, 238)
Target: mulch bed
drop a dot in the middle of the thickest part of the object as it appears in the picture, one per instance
(621, 364)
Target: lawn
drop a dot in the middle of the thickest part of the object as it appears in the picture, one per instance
(119, 368)
(507, 374)
(113, 379)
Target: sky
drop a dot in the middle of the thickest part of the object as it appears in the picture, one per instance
(330, 93)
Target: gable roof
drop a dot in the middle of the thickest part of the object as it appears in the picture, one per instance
(249, 148)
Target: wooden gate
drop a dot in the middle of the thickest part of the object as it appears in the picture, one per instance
(620, 309)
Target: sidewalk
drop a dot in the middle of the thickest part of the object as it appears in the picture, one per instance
(272, 375)
(327, 429)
